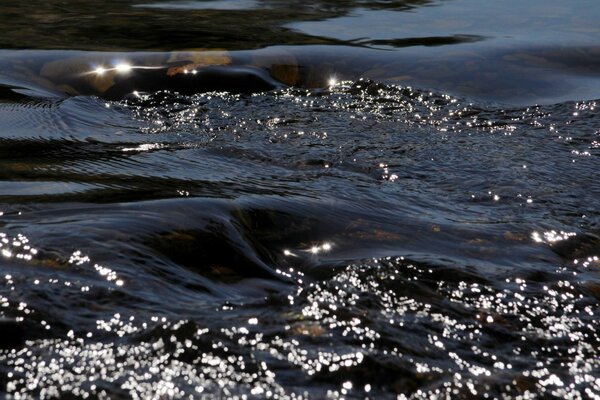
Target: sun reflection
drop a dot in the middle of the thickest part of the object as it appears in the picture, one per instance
(123, 67)
(16, 247)
(316, 249)
(551, 236)
(100, 70)
(288, 253)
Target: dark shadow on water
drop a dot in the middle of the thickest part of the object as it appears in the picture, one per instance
(418, 41)
(133, 25)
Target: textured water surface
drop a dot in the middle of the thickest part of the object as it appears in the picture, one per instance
(328, 238)
(362, 240)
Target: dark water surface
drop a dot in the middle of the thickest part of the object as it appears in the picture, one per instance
(316, 199)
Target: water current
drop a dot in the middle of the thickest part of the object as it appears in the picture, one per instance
(322, 199)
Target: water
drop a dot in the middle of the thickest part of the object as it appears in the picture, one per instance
(410, 209)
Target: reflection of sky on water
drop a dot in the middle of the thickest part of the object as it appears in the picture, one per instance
(203, 5)
(511, 21)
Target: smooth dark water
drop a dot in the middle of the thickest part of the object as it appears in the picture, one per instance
(334, 199)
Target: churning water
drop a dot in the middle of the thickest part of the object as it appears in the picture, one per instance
(422, 229)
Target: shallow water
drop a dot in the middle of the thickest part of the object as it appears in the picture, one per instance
(403, 221)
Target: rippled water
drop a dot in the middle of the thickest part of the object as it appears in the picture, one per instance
(423, 234)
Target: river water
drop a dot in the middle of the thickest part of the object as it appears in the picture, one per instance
(300, 200)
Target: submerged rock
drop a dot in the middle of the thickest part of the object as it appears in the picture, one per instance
(117, 75)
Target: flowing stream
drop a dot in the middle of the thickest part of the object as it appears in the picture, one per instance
(300, 200)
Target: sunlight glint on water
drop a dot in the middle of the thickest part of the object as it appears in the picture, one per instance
(427, 231)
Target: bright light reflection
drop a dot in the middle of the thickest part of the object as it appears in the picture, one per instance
(316, 249)
(332, 81)
(123, 67)
(120, 67)
(552, 236)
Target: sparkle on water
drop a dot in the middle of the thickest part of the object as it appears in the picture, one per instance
(364, 241)
(122, 68)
